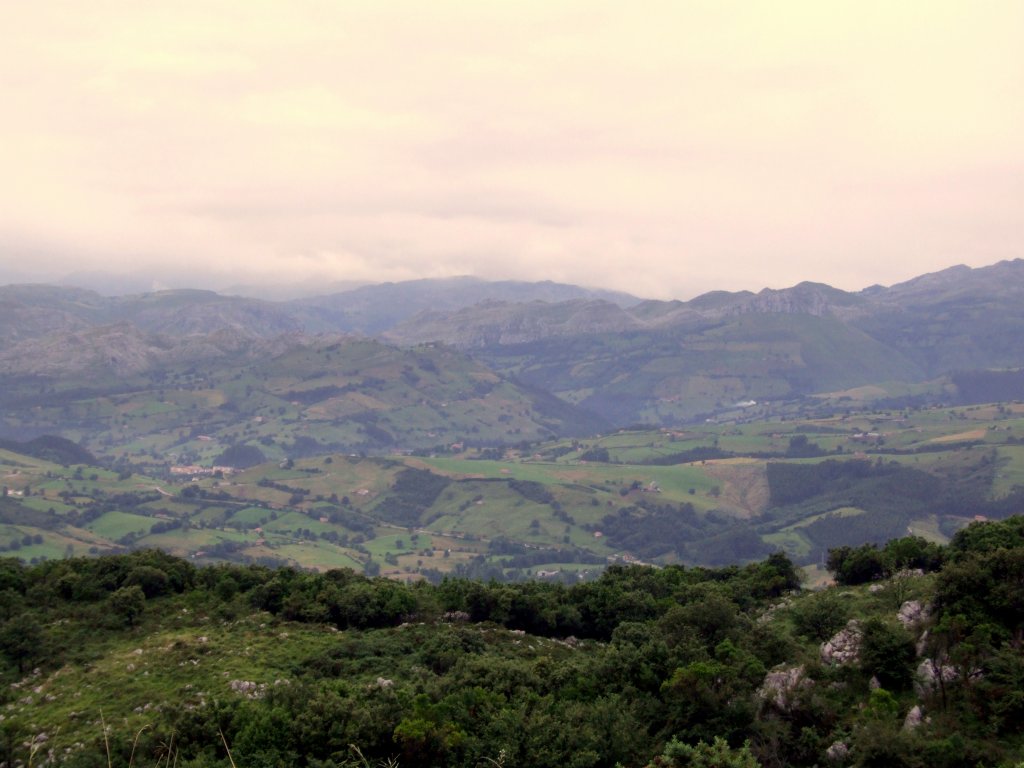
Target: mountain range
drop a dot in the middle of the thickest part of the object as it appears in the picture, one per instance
(623, 359)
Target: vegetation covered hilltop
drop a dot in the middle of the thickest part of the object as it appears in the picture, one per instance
(914, 659)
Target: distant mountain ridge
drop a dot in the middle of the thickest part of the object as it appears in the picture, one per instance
(502, 322)
(666, 361)
(374, 309)
(961, 286)
(619, 357)
(32, 310)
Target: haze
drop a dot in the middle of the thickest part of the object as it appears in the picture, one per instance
(662, 149)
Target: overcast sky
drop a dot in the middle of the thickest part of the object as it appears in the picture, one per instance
(659, 148)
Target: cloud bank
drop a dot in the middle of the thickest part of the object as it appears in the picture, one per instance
(662, 149)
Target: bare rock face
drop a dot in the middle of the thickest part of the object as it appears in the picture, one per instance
(913, 719)
(912, 613)
(837, 752)
(922, 642)
(930, 673)
(844, 647)
(781, 685)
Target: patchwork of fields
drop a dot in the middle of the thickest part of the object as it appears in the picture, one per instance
(562, 508)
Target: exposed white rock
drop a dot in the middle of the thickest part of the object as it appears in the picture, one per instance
(912, 613)
(844, 646)
(929, 673)
(913, 719)
(248, 688)
(922, 643)
(782, 684)
(837, 752)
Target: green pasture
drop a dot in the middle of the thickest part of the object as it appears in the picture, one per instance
(211, 516)
(1009, 469)
(114, 525)
(189, 540)
(791, 541)
(840, 513)
(55, 544)
(319, 555)
(928, 528)
(45, 504)
(170, 506)
(251, 516)
(569, 567)
(289, 522)
(674, 482)
(489, 509)
(381, 545)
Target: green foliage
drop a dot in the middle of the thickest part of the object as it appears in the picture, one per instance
(21, 640)
(651, 530)
(856, 565)
(153, 581)
(468, 674)
(51, 448)
(887, 653)
(818, 617)
(801, 448)
(717, 754)
(983, 538)
(859, 565)
(240, 456)
(413, 492)
(128, 603)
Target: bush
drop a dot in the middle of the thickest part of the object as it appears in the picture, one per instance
(888, 653)
(818, 617)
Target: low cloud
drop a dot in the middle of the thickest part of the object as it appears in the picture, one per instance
(668, 152)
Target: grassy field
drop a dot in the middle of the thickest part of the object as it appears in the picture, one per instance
(115, 525)
(1009, 468)
(333, 510)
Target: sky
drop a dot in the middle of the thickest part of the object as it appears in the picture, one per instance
(659, 148)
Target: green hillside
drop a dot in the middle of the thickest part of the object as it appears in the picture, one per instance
(673, 376)
(303, 399)
(144, 659)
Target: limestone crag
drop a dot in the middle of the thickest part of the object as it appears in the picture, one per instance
(844, 646)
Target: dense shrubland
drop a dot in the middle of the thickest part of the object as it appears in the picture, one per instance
(668, 667)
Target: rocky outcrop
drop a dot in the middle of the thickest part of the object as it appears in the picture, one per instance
(912, 614)
(248, 688)
(930, 674)
(844, 646)
(837, 752)
(815, 299)
(782, 685)
(913, 719)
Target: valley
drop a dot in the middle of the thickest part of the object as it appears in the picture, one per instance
(508, 430)
(745, 526)
(708, 495)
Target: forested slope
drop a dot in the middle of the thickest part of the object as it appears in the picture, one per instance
(143, 659)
